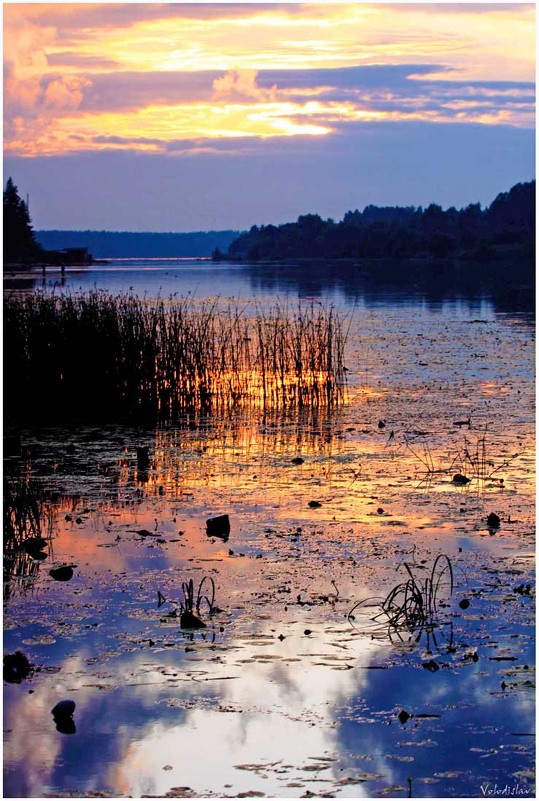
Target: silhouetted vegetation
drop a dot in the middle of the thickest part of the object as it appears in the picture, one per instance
(19, 240)
(138, 244)
(102, 357)
(507, 225)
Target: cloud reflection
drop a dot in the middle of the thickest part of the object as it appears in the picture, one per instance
(250, 717)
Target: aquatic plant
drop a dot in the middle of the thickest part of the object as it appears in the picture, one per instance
(412, 604)
(475, 461)
(471, 461)
(188, 618)
(99, 356)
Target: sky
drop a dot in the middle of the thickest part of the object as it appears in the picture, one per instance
(200, 116)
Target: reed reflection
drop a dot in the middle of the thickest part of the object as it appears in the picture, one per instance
(279, 474)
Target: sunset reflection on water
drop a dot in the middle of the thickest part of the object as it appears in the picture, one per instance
(280, 694)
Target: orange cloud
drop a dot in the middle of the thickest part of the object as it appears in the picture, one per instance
(65, 92)
(193, 72)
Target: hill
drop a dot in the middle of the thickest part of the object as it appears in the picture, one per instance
(130, 244)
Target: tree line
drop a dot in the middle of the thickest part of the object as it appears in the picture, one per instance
(23, 245)
(507, 225)
(139, 244)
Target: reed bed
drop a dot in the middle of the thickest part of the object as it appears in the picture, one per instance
(100, 356)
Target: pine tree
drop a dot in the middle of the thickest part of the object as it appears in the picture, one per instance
(19, 239)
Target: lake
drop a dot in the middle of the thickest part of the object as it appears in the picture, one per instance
(305, 681)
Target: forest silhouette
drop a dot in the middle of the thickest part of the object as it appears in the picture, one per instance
(505, 228)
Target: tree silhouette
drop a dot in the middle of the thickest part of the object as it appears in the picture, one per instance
(19, 240)
(391, 232)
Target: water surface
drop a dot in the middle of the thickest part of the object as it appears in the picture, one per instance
(282, 694)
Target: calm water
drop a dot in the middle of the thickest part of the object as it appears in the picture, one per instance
(337, 283)
(281, 694)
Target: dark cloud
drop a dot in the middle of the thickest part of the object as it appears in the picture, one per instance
(427, 97)
(377, 88)
(123, 90)
(69, 59)
(377, 75)
(126, 140)
(402, 81)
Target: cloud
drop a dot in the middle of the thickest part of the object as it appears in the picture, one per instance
(240, 84)
(25, 62)
(74, 16)
(154, 74)
(369, 75)
(64, 93)
(131, 90)
(395, 87)
(81, 60)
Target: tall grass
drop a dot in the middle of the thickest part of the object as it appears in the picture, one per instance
(99, 356)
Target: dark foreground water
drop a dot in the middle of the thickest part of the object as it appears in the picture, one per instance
(282, 694)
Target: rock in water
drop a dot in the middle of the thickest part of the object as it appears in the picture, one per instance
(16, 667)
(62, 715)
(63, 709)
(143, 457)
(190, 621)
(33, 545)
(458, 478)
(493, 521)
(65, 725)
(62, 573)
(218, 526)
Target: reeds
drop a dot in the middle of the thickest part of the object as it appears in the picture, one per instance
(412, 604)
(190, 604)
(98, 356)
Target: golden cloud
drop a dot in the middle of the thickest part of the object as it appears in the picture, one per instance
(57, 54)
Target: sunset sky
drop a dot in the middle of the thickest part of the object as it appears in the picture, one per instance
(181, 117)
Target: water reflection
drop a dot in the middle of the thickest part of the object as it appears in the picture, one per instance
(506, 288)
(279, 694)
(271, 716)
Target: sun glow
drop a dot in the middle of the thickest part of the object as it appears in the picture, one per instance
(142, 76)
